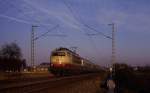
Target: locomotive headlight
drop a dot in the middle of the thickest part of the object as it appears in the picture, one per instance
(60, 62)
(82, 62)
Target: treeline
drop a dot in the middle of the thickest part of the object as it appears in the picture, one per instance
(143, 69)
(11, 58)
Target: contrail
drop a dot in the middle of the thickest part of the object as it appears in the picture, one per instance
(16, 19)
(72, 23)
(20, 20)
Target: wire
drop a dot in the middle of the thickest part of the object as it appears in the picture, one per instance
(11, 5)
(49, 30)
(23, 21)
(46, 32)
(81, 22)
(87, 26)
(97, 31)
(70, 9)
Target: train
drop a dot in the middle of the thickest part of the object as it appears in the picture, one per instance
(64, 61)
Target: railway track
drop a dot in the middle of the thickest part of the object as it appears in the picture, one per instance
(22, 80)
(44, 85)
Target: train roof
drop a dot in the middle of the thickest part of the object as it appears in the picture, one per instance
(65, 49)
(62, 48)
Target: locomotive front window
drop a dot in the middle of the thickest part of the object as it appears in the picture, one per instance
(58, 54)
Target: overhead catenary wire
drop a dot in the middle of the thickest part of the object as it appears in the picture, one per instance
(78, 19)
(53, 28)
(10, 17)
(49, 30)
(46, 11)
(3, 15)
(98, 33)
(36, 21)
(83, 24)
(71, 11)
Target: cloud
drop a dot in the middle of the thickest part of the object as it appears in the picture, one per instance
(15, 19)
(60, 16)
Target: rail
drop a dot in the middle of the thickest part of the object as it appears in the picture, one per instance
(42, 85)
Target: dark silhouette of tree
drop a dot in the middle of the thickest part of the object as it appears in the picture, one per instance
(11, 58)
(23, 64)
(11, 51)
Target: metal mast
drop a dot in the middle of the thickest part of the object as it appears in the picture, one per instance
(32, 46)
(113, 58)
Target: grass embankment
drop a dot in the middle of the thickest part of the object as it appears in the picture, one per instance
(130, 81)
(19, 75)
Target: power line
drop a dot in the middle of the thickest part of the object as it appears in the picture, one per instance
(71, 10)
(46, 32)
(59, 35)
(17, 19)
(97, 31)
(85, 25)
(81, 22)
(23, 21)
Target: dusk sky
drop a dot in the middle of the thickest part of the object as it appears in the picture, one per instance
(131, 18)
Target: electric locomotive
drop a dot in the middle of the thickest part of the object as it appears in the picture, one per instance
(66, 62)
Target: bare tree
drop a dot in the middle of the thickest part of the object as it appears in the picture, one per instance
(11, 51)
(11, 58)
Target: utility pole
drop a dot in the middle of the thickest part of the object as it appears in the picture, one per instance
(33, 39)
(32, 46)
(113, 58)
